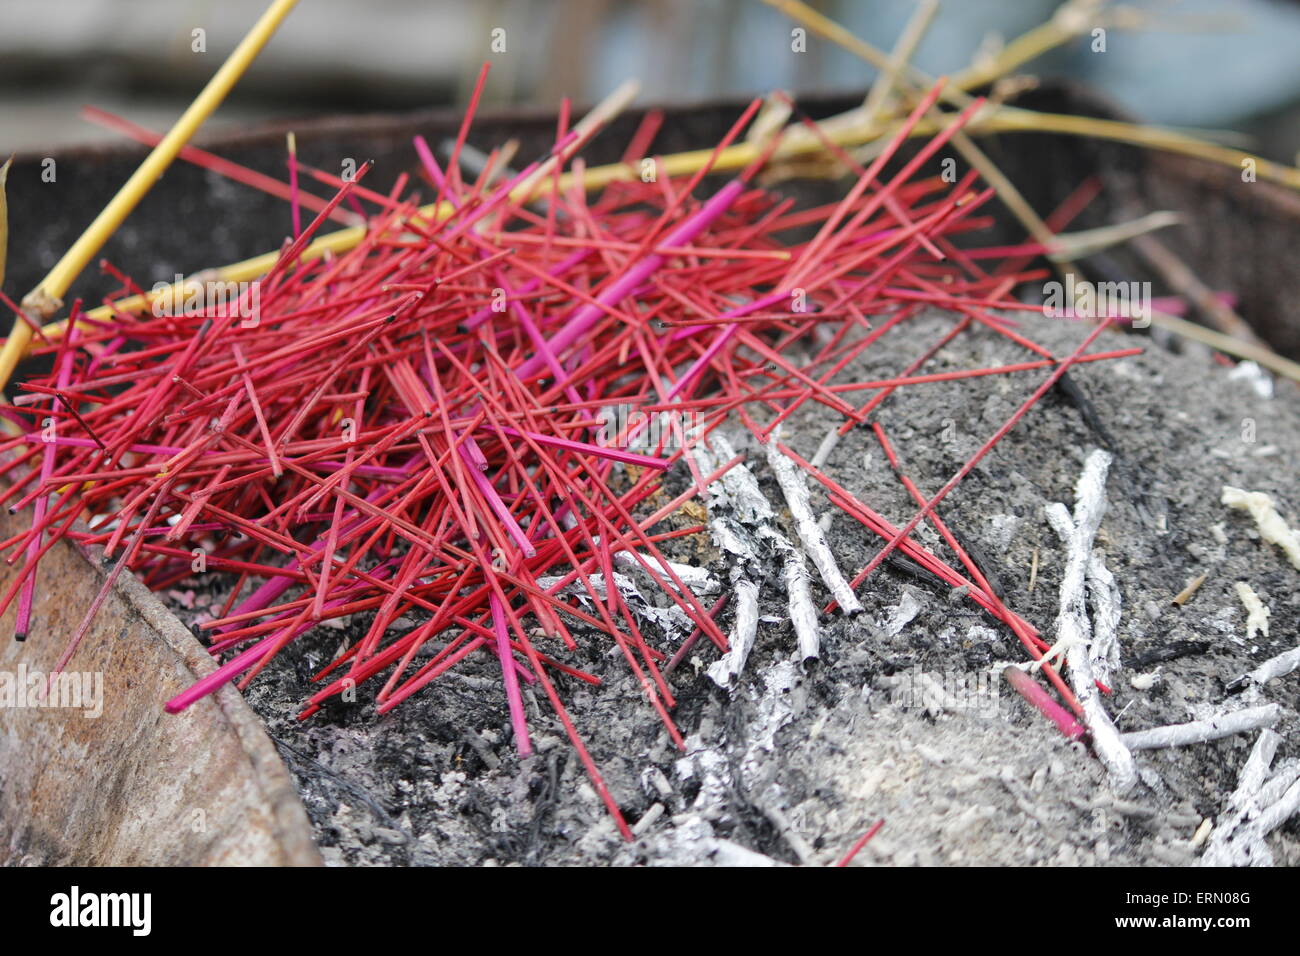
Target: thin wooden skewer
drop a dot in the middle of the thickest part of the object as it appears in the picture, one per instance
(4, 219)
(901, 56)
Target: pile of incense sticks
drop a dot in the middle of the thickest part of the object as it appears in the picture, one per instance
(412, 430)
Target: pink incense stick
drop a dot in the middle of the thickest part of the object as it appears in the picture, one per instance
(496, 504)
(23, 616)
(585, 316)
(1032, 691)
(514, 699)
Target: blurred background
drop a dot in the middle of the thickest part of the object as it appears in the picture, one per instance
(1201, 63)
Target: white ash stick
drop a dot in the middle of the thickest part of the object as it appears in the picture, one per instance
(699, 579)
(674, 621)
(738, 491)
(1233, 842)
(724, 671)
(1276, 802)
(827, 446)
(1256, 809)
(1284, 809)
(1278, 666)
(1072, 628)
(1106, 740)
(727, 853)
(803, 613)
(1201, 731)
(1104, 592)
(776, 816)
(748, 535)
(1284, 774)
(795, 488)
(1255, 770)
(738, 487)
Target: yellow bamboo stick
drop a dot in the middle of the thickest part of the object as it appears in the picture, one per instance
(899, 57)
(1013, 119)
(46, 299)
